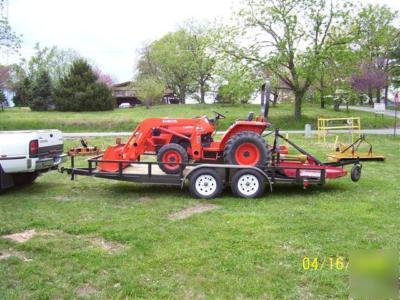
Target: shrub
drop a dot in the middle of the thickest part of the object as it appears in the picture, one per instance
(79, 90)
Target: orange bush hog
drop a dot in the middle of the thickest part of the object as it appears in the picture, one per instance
(176, 141)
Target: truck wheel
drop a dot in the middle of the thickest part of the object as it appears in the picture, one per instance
(205, 183)
(246, 148)
(24, 178)
(247, 184)
(355, 174)
(170, 156)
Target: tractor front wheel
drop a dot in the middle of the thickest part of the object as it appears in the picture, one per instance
(246, 148)
(170, 158)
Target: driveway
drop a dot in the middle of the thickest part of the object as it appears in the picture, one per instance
(388, 112)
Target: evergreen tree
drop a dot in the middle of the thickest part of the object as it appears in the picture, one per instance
(3, 99)
(80, 90)
(41, 92)
(23, 95)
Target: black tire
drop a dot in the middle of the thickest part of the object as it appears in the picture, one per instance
(246, 137)
(179, 155)
(205, 183)
(24, 178)
(248, 184)
(355, 174)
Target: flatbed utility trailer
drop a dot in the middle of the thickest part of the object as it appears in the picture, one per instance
(208, 180)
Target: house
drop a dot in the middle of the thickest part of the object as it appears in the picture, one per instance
(170, 97)
(125, 92)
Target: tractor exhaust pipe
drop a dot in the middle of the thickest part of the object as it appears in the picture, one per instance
(265, 95)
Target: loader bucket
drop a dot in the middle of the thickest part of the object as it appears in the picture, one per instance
(112, 153)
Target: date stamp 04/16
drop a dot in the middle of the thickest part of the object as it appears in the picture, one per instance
(332, 263)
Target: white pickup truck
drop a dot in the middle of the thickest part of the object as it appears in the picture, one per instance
(26, 154)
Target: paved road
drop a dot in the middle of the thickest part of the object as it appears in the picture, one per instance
(72, 135)
(388, 112)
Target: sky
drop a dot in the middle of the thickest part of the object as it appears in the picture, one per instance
(110, 33)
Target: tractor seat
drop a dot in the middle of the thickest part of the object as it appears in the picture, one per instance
(250, 116)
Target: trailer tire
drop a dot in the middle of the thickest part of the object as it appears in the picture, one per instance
(172, 153)
(205, 183)
(246, 148)
(248, 184)
(355, 173)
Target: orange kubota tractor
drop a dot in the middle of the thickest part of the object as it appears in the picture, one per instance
(177, 141)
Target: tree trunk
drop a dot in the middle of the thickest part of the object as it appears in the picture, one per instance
(298, 97)
(275, 100)
(182, 95)
(322, 99)
(322, 86)
(386, 95)
(378, 95)
(370, 100)
(202, 93)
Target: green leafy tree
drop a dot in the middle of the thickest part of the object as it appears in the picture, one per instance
(203, 58)
(376, 36)
(23, 93)
(8, 38)
(289, 37)
(182, 60)
(41, 92)
(3, 99)
(237, 83)
(80, 90)
(150, 89)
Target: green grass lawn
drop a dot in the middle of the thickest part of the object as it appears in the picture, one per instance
(245, 249)
(127, 119)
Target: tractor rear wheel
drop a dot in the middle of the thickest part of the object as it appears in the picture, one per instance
(170, 156)
(246, 148)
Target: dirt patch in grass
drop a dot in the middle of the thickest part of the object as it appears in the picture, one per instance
(86, 290)
(197, 209)
(144, 199)
(6, 254)
(21, 237)
(108, 246)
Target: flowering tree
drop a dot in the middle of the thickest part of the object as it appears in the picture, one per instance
(369, 79)
(103, 77)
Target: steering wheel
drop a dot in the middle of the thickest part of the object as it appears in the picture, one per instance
(218, 115)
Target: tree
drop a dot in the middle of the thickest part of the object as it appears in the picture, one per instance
(41, 92)
(23, 94)
(200, 40)
(53, 60)
(8, 38)
(79, 90)
(376, 36)
(3, 99)
(150, 89)
(289, 37)
(237, 83)
(182, 60)
(170, 60)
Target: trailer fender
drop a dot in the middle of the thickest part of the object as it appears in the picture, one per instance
(222, 166)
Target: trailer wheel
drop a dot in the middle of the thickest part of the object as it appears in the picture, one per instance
(246, 148)
(170, 156)
(205, 183)
(247, 184)
(355, 174)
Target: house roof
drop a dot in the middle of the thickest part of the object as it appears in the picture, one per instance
(122, 84)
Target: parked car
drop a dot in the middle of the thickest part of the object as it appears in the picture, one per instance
(125, 105)
(26, 154)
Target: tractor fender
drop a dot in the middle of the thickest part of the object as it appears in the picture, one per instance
(224, 166)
